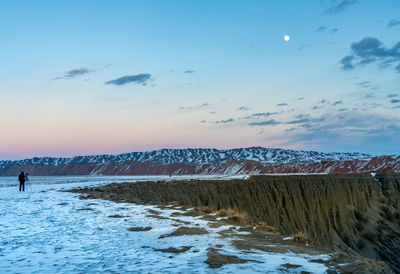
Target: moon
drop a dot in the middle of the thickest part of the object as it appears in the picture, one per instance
(286, 38)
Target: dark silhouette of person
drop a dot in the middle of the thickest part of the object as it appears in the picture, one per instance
(21, 179)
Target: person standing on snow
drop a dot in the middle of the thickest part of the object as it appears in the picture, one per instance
(21, 179)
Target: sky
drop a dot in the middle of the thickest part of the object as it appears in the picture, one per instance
(107, 77)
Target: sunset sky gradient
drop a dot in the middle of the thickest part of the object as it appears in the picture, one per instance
(95, 77)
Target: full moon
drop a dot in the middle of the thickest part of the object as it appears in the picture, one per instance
(286, 38)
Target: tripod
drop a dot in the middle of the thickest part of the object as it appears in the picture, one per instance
(28, 184)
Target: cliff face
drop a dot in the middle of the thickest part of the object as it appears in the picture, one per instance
(228, 167)
(357, 213)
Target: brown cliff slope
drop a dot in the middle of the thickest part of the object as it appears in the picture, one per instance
(354, 212)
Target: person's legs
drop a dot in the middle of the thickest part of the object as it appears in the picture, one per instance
(20, 186)
(23, 186)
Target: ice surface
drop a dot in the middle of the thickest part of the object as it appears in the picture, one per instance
(44, 230)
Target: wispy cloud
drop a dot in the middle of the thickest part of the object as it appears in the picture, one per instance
(337, 103)
(393, 23)
(264, 114)
(203, 105)
(369, 95)
(271, 122)
(74, 73)
(323, 101)
(281, 104)
(392, 95)
(301, 116)
(300, 121)
(304, 46)
(368, 85)
(340, 7)
(352, 128)
(189, 71)
(326, 29)
(370, 50)
(230, 120)
(140, 79)
(243, 108)
(395, 101)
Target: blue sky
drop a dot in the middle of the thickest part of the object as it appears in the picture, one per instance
(90, 77)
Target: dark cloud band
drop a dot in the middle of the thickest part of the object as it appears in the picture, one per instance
(140, 79)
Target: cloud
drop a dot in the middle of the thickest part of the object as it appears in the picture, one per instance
(203, 121)
(364, 84)
(300, 121)
(349, 130)
(212, 112)
(203, 105)
(395, 101)
(369, 95)
(271, 122)
(301, 116)
(337, 103)
(375, 105)
(281, 104)
(347, 62)
(392, 95)
(74, 73)
(340, 7)
(140, 79)
(189, 71)
(243, 108)
(264, 114)
(300, 98)
(393, 23)
(367, 84)
(230, 120)
(326, 29)
(370, 50)
(304, 46)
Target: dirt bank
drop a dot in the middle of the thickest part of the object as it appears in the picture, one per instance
(356, 213)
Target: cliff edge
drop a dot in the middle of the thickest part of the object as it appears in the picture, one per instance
(356, 213)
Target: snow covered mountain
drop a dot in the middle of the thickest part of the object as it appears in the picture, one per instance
(198, 156)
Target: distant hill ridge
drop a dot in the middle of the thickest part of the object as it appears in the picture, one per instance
(199, 156)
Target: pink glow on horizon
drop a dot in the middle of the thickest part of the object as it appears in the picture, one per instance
(72, 139)
(28, 152)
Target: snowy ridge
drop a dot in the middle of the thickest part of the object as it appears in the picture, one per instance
(199, 156)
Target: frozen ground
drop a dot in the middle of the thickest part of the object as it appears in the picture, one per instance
(48, 231)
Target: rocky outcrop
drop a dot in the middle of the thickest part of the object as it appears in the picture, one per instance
(357, 213)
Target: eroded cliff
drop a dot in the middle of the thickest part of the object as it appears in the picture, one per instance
(357, 213)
